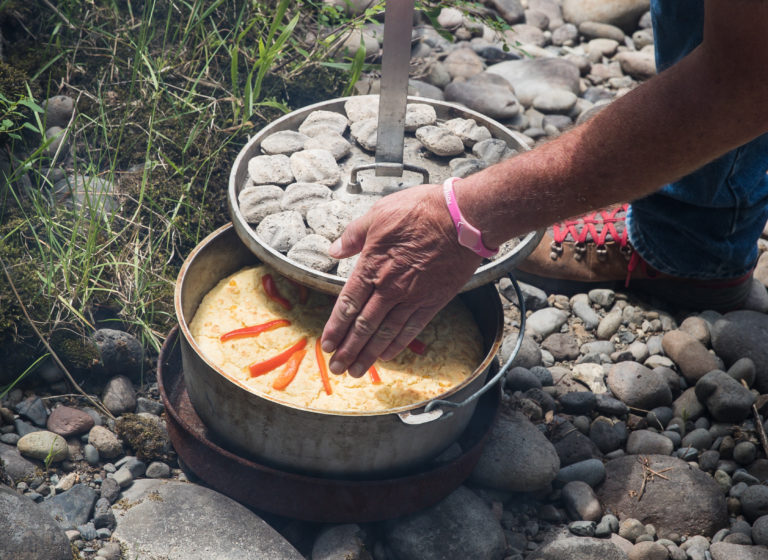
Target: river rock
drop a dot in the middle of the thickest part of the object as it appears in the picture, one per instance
(754, 502)
(691, 356)
(315, 166)
(554, 101)
(597, 30)
(14, 465)
(58, 110)
(121, 352)
(43, 445)
(639, 65)
(563, 346)
(646, 442)
(460, 526)
(67, 421)
(284, 142)
(528, 356)
(727, 551)
(513, 446)
(463, 63)
(581, 548)
(621, 13)
(492, 151)
(726, 399)
(340, 541)
(546, 321)
(531, 77)
(741, 334)
(73, 507)
(283, 230)
(638, 386)
(197, 524)
(487, 93)
(270, 170)
(119, 395)
(689, 503)
(256, 203)
(572, 446)
(591, 471)
(105, 442)
(28, 532)
(580, 501)
(33, 410)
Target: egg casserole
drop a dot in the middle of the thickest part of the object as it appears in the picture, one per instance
(292, 318)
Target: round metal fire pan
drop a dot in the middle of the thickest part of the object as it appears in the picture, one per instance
(331, 283)
(310, 498)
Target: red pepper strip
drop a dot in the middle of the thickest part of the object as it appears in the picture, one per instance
(255, 329)
(270, 286)
(303, 291)
(291, 369)
(323, 368)
(417, 347)
(260, 368)
(375, 379)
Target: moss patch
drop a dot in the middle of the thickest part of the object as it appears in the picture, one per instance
(147, 438)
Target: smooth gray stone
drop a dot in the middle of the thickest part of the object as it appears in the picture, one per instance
(582, 528)
(16, 467)
(534, 298)
(591, 471)
(33, 410)
(340, 541)
(638, 386)
(546, 321)
(73, 507)
(528, 356)
(521, 379)
(121, 353)
(725, 398)
(460, 526)
(486, 93)
(530, 77)
(581, 548)
(197, 524)
(580, 303)
(28, 532)
(742, 334)
(507, 462)
(754, 502)
(119, 395)
(690, 503)
(728, 551)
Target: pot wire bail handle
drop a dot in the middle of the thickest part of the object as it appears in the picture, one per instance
(432, 412)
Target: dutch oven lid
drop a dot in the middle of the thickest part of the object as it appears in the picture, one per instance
(389, 166)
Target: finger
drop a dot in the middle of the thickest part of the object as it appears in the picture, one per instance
(352, 238)
(360, 332)
(381, 339)
(348, 306)
(410, 330)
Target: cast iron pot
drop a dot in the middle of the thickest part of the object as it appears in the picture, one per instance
(288, 437)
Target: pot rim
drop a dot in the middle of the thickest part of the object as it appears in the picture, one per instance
(333, 283)
(184, 328)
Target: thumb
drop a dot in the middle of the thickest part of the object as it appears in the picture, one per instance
(352, 239)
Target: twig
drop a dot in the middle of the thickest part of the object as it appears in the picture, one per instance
(758, 424)
(649, 474)
(55, 356)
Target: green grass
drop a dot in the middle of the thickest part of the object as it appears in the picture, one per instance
(167, 93)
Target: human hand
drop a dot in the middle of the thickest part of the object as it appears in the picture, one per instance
(410, 266)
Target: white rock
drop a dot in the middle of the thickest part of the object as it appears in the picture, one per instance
(468, 130)
(334, 143)
(362, 107)
(418, 115)
(329, 218)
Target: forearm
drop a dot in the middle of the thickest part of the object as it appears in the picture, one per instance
(704, 106)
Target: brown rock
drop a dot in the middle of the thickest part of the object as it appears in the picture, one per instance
(67, 421)
(687, 501)
(697, 328)
(648, 550)
(562, 346)
(691, 356)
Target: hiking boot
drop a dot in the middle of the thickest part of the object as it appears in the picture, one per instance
(593, 251)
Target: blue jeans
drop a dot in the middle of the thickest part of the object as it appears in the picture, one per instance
(705, 225)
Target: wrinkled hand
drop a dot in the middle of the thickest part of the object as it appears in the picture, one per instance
(410, 266)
